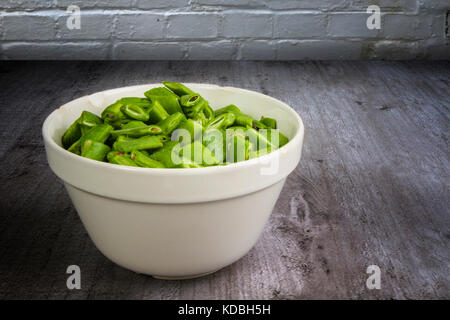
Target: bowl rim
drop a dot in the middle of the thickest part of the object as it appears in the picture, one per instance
(176, 171)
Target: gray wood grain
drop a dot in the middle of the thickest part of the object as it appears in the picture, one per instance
(372, 186)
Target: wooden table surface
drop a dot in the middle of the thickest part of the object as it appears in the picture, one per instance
(372, 187)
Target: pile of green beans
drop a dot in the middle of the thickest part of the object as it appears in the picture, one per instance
(172, 127)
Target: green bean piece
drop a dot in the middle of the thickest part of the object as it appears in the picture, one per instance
(178, 88)
(243, 120)
(76, 147)
(215, 141)
(135, 112)
(194, 129)
(123, 138)
(71, 135)
(260, 139)
(192, 104)
(168, 155)
(143, 160)
(114, 153)
(133, 124)
(222, 121)
(168, 99)
(200, 117)
(157, 113)
(238, 148)
(141, 102)
(230, 108)
(198, 153)
(160, 91)
(94, 150)
(145, 142)
(88, 120)
(237, 128)
(112, 113)
(170, 104)
(270, 123)
(138, 132)
(171, 122)
(121, 159)
(258, 125)
(209, 113)
(282, 139)
(98, 133)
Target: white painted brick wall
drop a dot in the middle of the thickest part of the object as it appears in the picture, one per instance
(57, 51)
(149, 51)
(299, 25)
(192, 25)
(247, 25)
(222, 30)
(129, 26)
(28, 26)
(213, 50)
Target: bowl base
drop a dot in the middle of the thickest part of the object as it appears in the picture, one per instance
(185, 277)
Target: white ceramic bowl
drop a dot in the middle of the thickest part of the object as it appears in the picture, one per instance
(175, 223)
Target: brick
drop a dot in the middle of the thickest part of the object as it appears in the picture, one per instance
(192, 26)
(159, 4)
(391, 50)
(56, 51)
(435, 4)
(95, 3)
(214, 50)
(324, 5)
(96, 26)
(230, 3)
(386, 5)
(318, 50)
(142, 26)
(149, 51)
(298, 25)
(435, 48)
(247, 25)
(257, 50)
(1, 26)
(24, 26)
(400, 26)
(351, 25)
(438, 52)
(27, 4)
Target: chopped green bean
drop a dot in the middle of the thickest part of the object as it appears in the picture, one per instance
(143, 160)
(171, 122)
(94, 150)
(157, 113)
(178, 88)
(133, 111)
(145, 142)
(172, 127)
(138, 131)
(270, 123)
